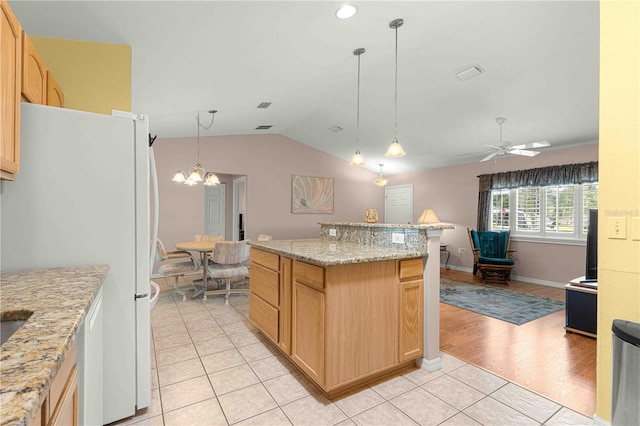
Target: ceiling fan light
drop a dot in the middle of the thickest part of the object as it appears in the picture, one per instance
(395, 150)
(357, 160)
(179, 177)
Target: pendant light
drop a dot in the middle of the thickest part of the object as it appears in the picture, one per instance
(380, 180)
(197, 173)
(395, 149)
(358, 159)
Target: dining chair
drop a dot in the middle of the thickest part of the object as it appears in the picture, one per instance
(176, 264)
(228, 261)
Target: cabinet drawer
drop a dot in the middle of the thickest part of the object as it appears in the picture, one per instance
(266, 259)
(411, 268)
(265, 283)
(264, 316)
(59, 382)
(308, 274)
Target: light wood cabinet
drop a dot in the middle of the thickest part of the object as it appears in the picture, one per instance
(10, 86)
(341, 325)
(61, 406)
(411, 310)
(34, 74)
(55, 97)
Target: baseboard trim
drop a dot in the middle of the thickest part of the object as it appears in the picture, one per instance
(430, 365)
(517, 278)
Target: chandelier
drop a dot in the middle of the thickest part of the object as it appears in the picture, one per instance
(196, 173)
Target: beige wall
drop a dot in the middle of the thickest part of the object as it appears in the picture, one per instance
(94, 77)
(453, 193)
(618, 260)
(268, 161)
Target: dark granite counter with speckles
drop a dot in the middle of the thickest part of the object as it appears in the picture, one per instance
(57, 299)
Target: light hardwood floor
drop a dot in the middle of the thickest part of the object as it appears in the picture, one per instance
(538, 355)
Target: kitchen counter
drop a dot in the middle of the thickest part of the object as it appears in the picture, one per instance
(326, 252)
(30, 359)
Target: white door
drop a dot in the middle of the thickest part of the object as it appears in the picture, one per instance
(214, 210)
(398, 204)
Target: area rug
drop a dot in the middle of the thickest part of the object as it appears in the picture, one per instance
(506, 305)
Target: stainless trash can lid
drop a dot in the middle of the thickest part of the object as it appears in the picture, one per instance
(627, 330)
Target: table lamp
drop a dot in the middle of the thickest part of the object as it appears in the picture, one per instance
(428, 216)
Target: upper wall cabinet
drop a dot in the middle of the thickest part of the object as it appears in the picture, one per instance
(34, 74)
(55, 97)
(10, 85)
(23, 76)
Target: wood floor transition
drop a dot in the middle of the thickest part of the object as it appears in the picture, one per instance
(538, 355)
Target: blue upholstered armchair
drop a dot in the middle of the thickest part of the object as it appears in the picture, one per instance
(491, 255)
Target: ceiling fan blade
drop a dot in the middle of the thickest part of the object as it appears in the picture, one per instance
(490, 156)
(539, 144)
(523, 152)
(471, 153)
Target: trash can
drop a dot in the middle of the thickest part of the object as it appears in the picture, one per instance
(625, 374)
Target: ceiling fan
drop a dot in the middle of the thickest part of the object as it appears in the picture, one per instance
(505, 147)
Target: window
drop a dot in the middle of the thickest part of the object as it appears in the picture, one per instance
(558, 212)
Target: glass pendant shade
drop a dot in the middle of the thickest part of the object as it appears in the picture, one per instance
(395, 150)
(179, 177)
(381, 181)
(211, 179)
(357, 160)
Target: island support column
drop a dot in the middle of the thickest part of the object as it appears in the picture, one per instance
(432, 360)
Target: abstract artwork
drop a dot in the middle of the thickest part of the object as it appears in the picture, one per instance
(311, 194)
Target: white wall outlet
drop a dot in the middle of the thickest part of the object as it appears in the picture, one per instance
(459, 250)
(397, 238)
(332, 232)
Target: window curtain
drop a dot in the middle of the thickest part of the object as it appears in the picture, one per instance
(568, 174)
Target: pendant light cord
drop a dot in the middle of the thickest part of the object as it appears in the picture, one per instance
(395, 127)
(212, 112)
(358, 108)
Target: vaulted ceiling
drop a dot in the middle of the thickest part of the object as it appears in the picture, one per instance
(540, 62)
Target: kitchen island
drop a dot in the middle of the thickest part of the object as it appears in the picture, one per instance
(54, 303)
(347, 308)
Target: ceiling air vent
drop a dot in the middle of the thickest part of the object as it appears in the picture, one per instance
(264, 127)
(336, 129)
(470, 72)
(264, 105)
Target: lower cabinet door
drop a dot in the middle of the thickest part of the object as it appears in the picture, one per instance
(411, 320)
(308, 324)
(67, 411)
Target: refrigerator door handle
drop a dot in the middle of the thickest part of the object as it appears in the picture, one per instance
(140, 296)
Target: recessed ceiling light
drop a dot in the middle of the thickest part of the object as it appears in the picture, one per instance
(346, 11)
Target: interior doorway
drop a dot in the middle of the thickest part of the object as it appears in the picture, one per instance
(398, 204)
(215, 210)
(239, 207)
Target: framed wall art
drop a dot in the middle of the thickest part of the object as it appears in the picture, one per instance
(311, 194)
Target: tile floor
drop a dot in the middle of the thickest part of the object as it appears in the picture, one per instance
(211, 367)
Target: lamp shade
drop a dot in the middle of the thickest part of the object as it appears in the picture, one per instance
(395, 150)
(428, 216)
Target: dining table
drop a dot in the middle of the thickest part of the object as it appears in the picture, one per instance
(204, 248)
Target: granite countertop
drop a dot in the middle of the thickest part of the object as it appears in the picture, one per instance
(30, 359)
(440, 225)
(326, 252)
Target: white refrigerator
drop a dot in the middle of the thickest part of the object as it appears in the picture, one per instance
(82, 198)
